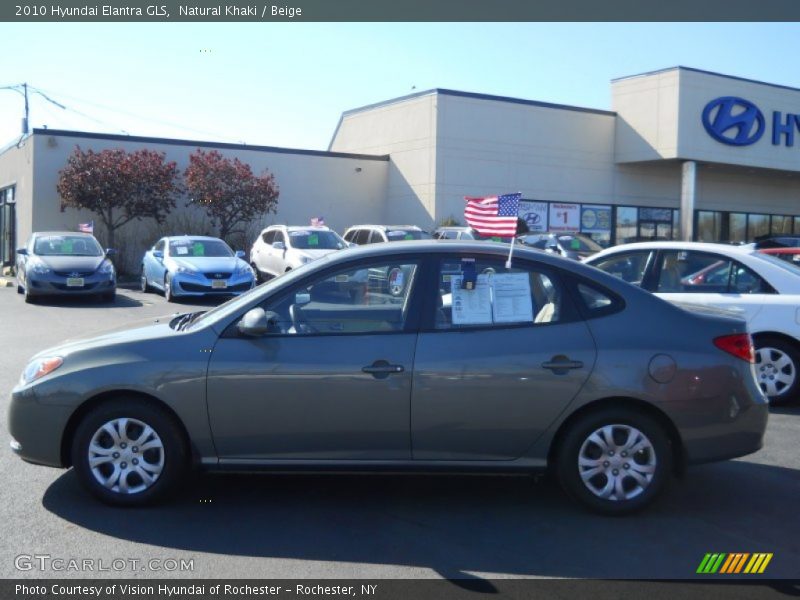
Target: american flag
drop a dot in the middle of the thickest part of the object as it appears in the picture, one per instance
(493, 216)
(317, 221)
(86, 227)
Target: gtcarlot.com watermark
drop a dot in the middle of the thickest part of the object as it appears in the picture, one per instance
(58, 564)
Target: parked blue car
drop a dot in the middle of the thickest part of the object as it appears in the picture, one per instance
(183, 266)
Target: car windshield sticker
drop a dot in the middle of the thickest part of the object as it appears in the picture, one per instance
(511, 295)
(395, 234)
(469, 273)
(313, 240)
(198, 249)
(181, 250)
(471, 307)
(66, 247)
(575, 244)
(408, 236)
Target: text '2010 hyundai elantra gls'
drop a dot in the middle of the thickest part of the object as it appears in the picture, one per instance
(423, 356)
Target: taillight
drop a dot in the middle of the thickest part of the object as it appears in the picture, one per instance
(738, 344)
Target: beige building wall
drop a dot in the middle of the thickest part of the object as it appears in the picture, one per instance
(343, 190)
(488, 147)
(16, 169)
(406, 130)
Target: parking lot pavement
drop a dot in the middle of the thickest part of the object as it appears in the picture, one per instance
(378, 526)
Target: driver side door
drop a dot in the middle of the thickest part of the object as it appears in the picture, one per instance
(330, 380)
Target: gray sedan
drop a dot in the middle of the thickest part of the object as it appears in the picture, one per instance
(56, 263)
(452, 363)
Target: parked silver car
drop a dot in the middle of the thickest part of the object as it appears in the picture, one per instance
(280, 248)
(450, 362)
(65, 263)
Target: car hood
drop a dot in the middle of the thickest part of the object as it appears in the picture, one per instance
(72, 263)
(205, 264)
(314, 254)
(141, 330)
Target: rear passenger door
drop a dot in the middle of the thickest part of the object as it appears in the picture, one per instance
(495, 365)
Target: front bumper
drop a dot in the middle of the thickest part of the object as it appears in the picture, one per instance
(52, 284)
(36, 429)
(198, 284)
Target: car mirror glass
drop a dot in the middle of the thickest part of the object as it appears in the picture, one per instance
(240, 254)
(158, 254)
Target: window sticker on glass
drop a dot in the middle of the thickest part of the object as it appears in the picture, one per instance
(512, 298)
(198, 249)
(181, 250)
(66, 246)
(471, 307)
(298, 233)
(575, 244)
(408, 236)
(397, 234)
(313, 240)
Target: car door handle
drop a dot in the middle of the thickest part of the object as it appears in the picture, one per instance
(381, 369)
(562, 364)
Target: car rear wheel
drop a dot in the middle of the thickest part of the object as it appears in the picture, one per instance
(129, 452)
(777, 363)
(614, 461)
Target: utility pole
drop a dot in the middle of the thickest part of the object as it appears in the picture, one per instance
(25, 118)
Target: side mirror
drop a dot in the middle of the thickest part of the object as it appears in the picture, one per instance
(158, 254)
(111, 252)
(22, 251)
(240, 254)
(256, 322)
(279, 245)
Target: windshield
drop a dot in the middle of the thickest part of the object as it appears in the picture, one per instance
(783, 264)
(67, 245)
(239, 302)
(309, 239)
(199, 248)
(401, 235)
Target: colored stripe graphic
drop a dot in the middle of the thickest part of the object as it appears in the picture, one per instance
(733, 563)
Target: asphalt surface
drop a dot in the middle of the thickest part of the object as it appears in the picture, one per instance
(403, 526)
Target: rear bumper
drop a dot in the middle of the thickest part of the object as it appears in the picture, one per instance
(739, 437)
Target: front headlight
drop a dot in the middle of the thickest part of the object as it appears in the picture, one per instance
(305, 259)
(39, 268)
(107, 267)
(185, 270)
(245, 270)
(39, 368)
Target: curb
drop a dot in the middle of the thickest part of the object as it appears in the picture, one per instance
(8, 282)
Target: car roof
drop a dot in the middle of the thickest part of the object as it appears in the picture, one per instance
(678, 245)
(193, 237)
(299, 227)
(46, 233)
(384, 227)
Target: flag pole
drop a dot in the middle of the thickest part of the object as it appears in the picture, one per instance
(513, 239)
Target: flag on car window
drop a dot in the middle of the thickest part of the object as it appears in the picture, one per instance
(317, 221)
(494, 215)
(86, 227)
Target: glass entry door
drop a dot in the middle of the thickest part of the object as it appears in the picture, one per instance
(7, 222)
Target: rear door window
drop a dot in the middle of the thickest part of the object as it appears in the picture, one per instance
(628, 266)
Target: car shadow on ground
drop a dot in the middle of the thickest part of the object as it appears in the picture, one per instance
(461, 526)
(120, 301)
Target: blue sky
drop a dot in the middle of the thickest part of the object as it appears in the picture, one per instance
(286, 84)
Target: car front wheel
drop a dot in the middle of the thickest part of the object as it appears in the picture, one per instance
(777, 363)
(168, 295)
(614, 461)
(128, 452)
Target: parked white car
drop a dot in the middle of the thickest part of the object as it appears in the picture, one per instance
(764, 290)
(280, 248)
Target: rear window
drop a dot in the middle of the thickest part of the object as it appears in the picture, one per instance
(400, 235)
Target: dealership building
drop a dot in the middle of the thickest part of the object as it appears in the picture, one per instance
(683, 154)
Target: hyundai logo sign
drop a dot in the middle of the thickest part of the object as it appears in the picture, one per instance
(733, 121)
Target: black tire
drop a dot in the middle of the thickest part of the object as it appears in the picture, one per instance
(20, 289)
(168, 295)
(29, 298)
(174, 454)
(144, 287)
(658, 454)
(769, 351)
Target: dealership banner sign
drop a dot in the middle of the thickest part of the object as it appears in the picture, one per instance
(534, 214)
(565, 217)
(595, 219)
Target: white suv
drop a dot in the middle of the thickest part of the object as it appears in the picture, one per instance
(374, 234)
(280, 248)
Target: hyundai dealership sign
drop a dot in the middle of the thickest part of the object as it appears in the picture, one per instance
(739, 122)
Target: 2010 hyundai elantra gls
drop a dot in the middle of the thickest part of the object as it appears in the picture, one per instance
(424, 356)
